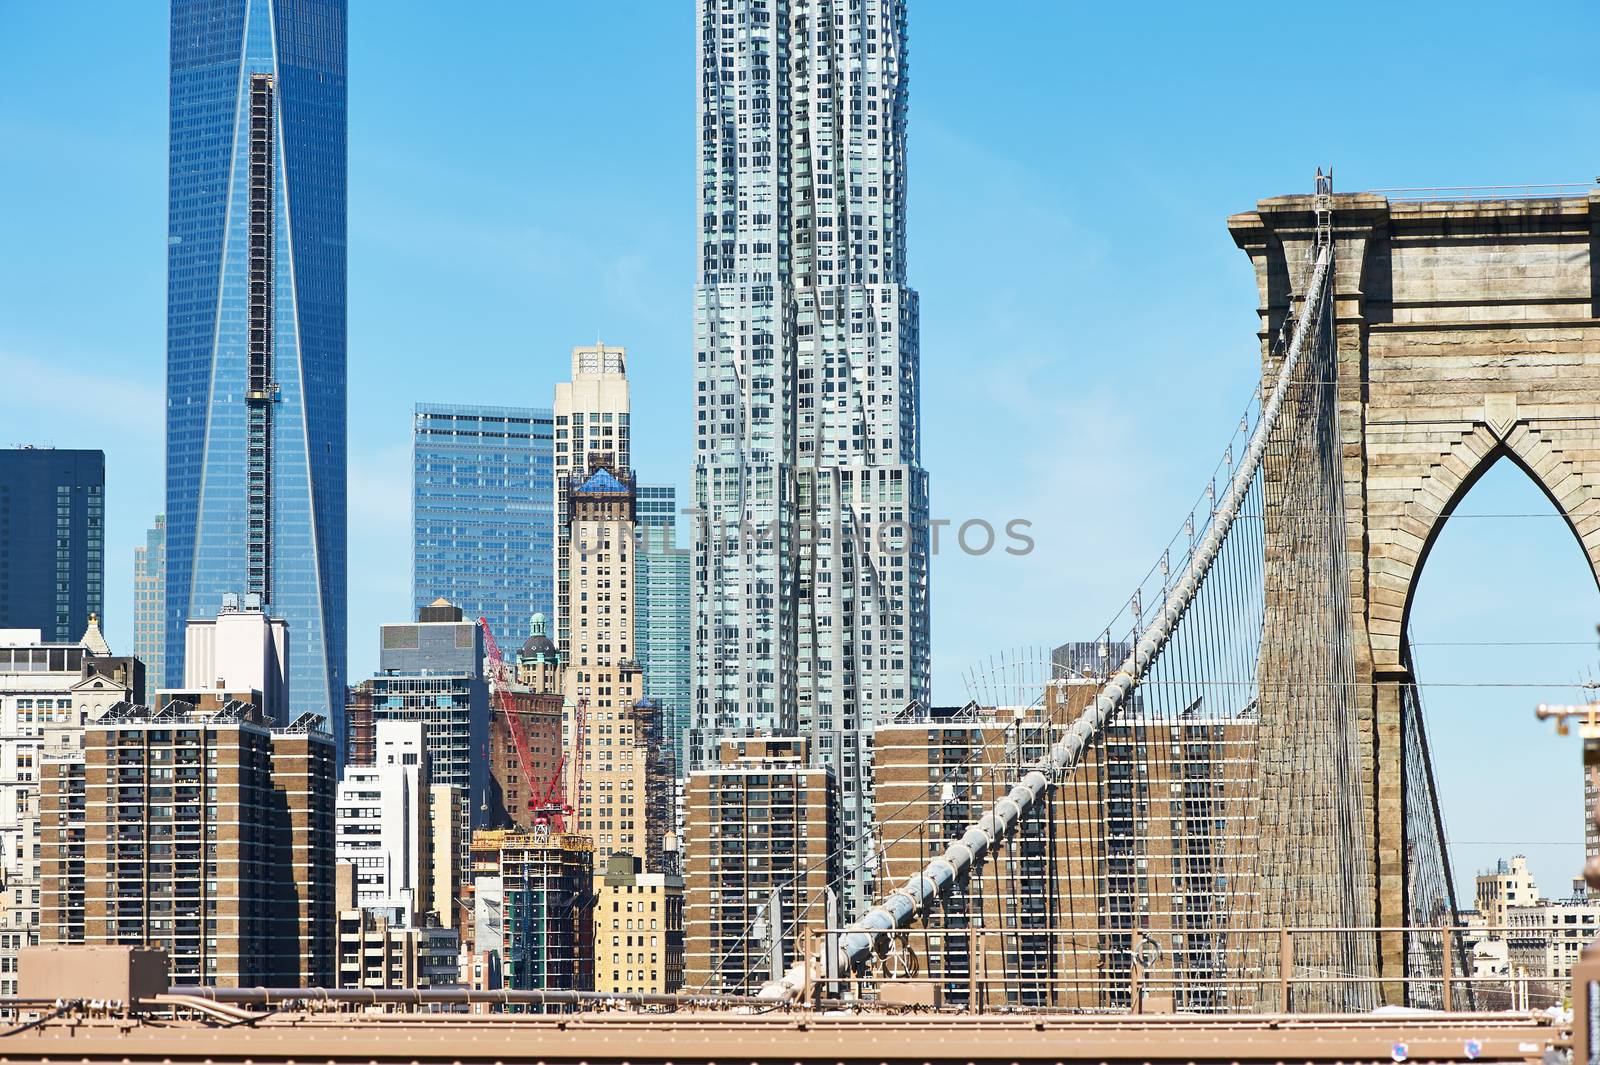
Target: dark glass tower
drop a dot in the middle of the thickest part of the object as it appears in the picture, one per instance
(52, 540)
(256, 328)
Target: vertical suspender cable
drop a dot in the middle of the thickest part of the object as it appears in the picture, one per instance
(902, 905)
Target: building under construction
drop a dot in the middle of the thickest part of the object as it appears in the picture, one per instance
(534, 906)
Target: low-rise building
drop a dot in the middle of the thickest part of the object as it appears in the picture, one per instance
(1544, 939)
(383, 948)
(638, 928)
(1508, 884)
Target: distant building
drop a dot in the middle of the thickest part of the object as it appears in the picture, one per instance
(1088, 659)
(534, 896)
(1508, 884)
(431, 671)
(662, 615)
(360, 730)
(150, 601)
(591, 413)
(482, 512)
(377, 949)
(765, 826)
(210, 835)
(47, 692)
(811, 555)
(539, 660)
(1489, 960)
(526, 766)
(936, 772)
(638, 928)
(52, 540)
(658, 512)
(517, 790)
(625, 799)
(450, 836)
(383, 829)
(1138, 841)
(242, 649)
(256, 442)
(1544, 941)
(304, 781)
(1591, 830)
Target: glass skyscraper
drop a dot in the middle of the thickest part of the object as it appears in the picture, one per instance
(661, 614)
(811, 558)
(52, 540)
(483, 513)
(256, 328)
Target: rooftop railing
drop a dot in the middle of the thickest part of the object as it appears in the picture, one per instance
(1470, 193)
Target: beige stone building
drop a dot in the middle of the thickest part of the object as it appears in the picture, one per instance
(765, 825)
(638, 928)
(447, 843)
(1508, 884)
(1544, 941)
(624, 799)
(591, 428)
(618, 770)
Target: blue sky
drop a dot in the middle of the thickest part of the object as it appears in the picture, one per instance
(522, 180)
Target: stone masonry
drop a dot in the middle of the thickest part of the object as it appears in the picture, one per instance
(1466, 333)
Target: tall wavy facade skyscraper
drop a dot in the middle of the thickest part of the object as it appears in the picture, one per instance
(256, 328)
(811, 548)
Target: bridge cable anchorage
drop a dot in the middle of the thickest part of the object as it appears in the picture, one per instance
(870, 934)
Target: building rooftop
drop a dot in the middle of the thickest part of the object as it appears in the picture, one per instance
(602, 482)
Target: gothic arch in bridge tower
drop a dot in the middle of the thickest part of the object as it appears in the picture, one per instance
(1466, 332)
(1408, 540)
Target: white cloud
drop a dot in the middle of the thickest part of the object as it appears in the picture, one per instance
(69, 403)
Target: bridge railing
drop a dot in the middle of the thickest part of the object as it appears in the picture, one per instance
(1224, 968)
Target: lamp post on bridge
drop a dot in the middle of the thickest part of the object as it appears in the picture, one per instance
(1586, 973)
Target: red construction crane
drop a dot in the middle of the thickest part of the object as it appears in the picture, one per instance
(500, 693)
(549, 803)
(552, 807)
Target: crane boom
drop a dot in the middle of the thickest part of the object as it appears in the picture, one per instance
(500, 693)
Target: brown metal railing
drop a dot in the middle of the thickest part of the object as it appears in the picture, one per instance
(1220, 969)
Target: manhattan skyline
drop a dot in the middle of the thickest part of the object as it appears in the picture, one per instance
(1104, 263)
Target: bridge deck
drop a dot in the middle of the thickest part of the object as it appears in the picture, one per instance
(598, 1038)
